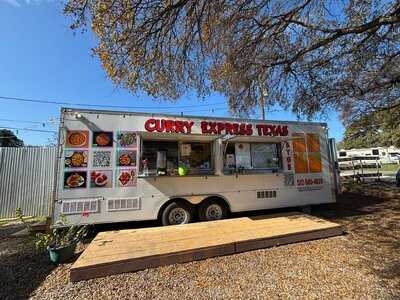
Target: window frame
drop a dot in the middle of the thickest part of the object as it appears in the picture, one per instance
(278, 153)
(212, 155)
(198, 171)
(259, 170)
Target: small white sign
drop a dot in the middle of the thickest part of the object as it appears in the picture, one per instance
(243, 157)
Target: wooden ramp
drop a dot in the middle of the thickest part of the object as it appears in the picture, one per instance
(130, 250)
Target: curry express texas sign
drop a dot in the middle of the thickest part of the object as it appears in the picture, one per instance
(210, 127)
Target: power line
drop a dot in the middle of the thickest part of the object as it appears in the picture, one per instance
(27, 121)
(44, 123)
(27, 129)
(101, 105)
(202, 110)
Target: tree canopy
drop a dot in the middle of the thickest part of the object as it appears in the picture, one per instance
(9, 139)
(373, 130)
(310, 55)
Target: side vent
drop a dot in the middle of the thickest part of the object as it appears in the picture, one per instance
(119, 204)
(78, 206)
(266, 194)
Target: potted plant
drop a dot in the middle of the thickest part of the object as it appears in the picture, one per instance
(60, 242)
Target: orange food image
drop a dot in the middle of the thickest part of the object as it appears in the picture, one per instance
(77, 159)
(124, 160)
(102, 139)
(124, 178)
(75, 180)
(77, 138)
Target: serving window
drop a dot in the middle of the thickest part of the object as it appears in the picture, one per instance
(173, 158)
(159, 156)
(196, 156)
(252, 156)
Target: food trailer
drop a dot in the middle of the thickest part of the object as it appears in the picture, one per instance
(125, 166)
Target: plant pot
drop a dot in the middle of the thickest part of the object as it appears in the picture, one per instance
(61, 254)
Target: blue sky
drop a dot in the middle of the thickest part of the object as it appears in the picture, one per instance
(41, 58)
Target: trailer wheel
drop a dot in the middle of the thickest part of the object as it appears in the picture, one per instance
(211, 210)
(176, 213)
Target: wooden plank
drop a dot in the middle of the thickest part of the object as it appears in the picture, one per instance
(129, 265)
(287, 239)
(135, 249)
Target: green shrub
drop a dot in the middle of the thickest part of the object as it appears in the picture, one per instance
(58, 237)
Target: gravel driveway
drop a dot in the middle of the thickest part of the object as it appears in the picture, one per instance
(365, 263)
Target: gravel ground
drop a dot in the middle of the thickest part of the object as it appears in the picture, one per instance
(364, 264)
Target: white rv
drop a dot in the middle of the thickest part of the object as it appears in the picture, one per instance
(126, 166)
(384, 155)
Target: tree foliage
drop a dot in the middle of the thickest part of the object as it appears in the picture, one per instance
(373, 130)
(9, 139)
(311, 55)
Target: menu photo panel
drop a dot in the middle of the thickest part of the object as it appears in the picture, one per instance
(126, 177)
(77, 139)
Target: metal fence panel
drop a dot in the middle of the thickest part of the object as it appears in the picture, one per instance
(26, 180)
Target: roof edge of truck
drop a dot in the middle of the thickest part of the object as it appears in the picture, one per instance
(116, 112)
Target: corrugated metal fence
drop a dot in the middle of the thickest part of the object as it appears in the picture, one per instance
(26, 180)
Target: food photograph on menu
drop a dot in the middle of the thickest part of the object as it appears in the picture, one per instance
(126, 139)
(126, 158)
(102, 139)
(77, 139)
(101, 179)
(76, 159)
(74, 179)
(126, 177)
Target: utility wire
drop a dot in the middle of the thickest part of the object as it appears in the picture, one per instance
(45, 123)
(102, 105)
(27, 129)
(202, 110)
(27, 121)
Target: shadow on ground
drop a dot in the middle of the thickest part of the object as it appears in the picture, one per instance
(22, 269)
(373, 225)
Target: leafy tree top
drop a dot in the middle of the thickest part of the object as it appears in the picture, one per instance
(380, 129)
(310, 55)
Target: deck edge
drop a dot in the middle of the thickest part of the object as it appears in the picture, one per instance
(131, 265)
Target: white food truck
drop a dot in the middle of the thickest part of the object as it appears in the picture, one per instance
(125, 166)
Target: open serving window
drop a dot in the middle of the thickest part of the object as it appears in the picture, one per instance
(169, 155)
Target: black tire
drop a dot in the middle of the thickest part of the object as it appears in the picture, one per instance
(180, 210)
(219, 207)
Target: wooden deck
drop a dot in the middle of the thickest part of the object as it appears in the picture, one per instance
(130, 250)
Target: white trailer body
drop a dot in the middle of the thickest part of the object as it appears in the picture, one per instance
(124, 166)
(385, 155)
